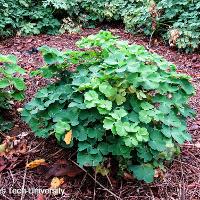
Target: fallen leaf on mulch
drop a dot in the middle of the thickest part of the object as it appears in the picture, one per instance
(12, 146)
(68, 137)
(56, 182)
(35, 163)
(63, 168)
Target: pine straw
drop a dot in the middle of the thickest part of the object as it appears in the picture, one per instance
(182, 177)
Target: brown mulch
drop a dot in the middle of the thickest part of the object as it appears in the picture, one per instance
(182, 177)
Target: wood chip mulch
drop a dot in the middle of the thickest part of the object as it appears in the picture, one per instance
(182, 177)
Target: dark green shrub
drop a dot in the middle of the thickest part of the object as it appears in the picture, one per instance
(26, 17)
(121, 100)
(159, 17)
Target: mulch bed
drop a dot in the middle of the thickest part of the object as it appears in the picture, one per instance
(182, 177)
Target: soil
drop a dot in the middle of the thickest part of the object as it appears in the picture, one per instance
(182, 177)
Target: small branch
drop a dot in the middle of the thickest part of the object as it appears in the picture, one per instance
(24, 181)
(113, 194)
(149, 45)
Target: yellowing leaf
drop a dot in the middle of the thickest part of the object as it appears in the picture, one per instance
(68, 137)
(102, 170)
(35, 163)
(3, 148)
(56, 182)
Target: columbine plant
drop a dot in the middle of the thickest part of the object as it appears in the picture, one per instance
(121, 100)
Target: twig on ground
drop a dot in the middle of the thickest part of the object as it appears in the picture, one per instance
(94, 193)
(24, 180)
(12, 176)
(106, 189)
(82, 182)
(109, 181)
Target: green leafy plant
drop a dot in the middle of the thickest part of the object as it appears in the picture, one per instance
(11, 85)
(26, 17)
(121, 100)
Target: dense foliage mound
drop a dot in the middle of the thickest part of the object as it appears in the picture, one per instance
(120, 101)
(11, 86)
(177, 21)
(25, 17)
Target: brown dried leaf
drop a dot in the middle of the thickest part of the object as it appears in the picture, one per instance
(174, 35)
(56, 182)
(11, 146)
(35, 163)
(63, 168)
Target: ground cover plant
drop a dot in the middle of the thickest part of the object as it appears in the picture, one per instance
(112, 99)
(11, 86)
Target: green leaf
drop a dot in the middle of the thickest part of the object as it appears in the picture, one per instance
(107, 89)
(120, 129)
(157, 141)
(96, 133)
(142, 135)
(91, 98)
(118, 113)
(19, 83)
(120, 99)
(61, 127)
(187, 86)
(143, 172)
(143, 152)
(80, 133)
(146, 106)
(51, 55)
(104, 106)
(4, 83)
(130, 141)
(144, 116)
(86, 159)
(108, 123)
(18, 96)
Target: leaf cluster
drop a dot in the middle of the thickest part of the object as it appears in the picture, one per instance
(12, 86)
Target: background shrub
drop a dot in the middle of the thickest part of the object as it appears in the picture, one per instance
(159, 17)
(121, 101)
(26, 17)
